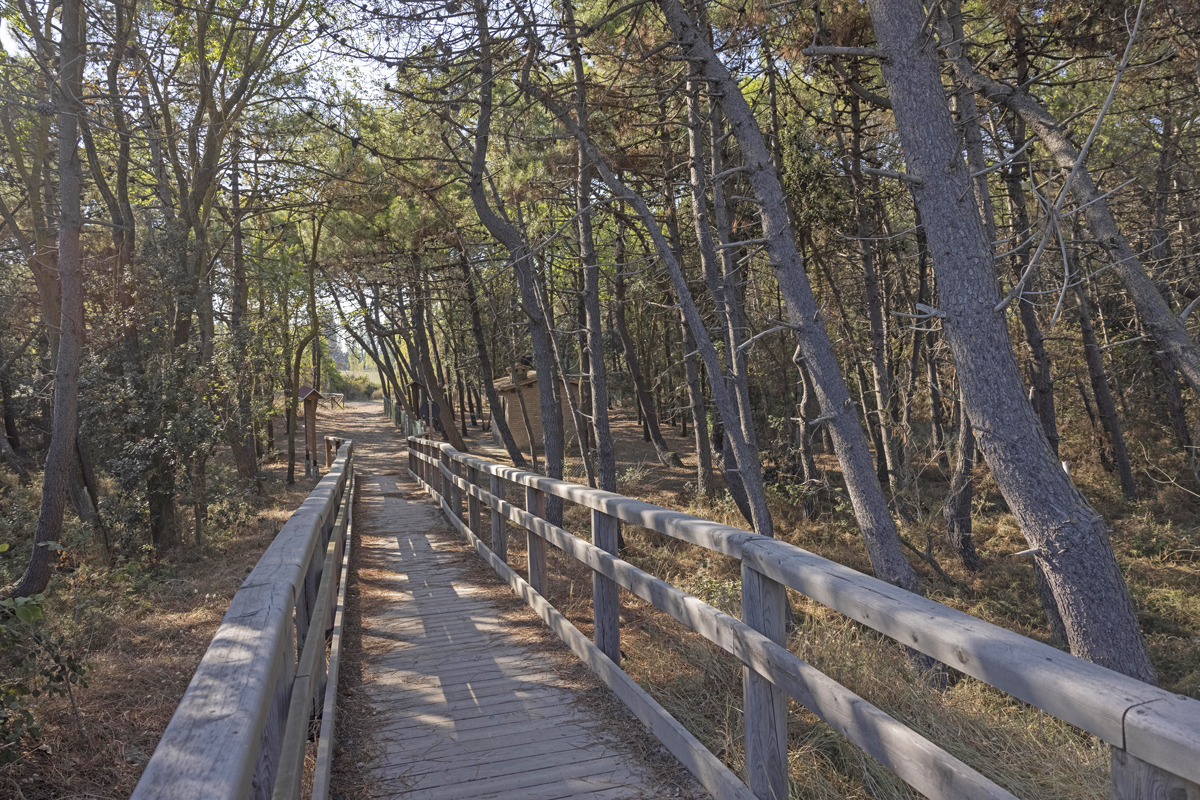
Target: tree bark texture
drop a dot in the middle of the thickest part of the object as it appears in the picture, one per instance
(871, 509)
(1071, 538)
(61, 456)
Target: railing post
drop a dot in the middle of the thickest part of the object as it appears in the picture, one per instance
(456, 494)
(412, 459)
(1134, 779)
(499, 527)
(764, 604)
(473, 502)
(606, 600)
(445, 482)
(535, 503)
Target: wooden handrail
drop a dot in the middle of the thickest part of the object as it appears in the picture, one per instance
(235, 732)
(1155, 735)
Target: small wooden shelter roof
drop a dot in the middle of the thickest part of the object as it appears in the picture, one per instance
(507, 385)
(305, 391)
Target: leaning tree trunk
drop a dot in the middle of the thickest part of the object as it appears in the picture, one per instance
(485, 367)
(711, 267)
(520, 258)
(61, 456)
(1069, 537)
(1166, 328)
(881, 373)
(871, 508)
(650, 418)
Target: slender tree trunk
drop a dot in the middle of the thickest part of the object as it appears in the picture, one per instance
(1100, 388)
(499, 422)
(62, 454)
(875, 521)
(521, 260)
(428, 373)
(1018, 170)
(606, 459)
(808, 467)
(957, 509)
(649, 418)
(1070, 537)
(293, 402)
(882, 377)
(239, 428)
(711, 266)
(695, 387)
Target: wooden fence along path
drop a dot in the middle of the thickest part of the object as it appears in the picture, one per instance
(269, 679)
(1154, 735)
(469, 713)
(463, 709)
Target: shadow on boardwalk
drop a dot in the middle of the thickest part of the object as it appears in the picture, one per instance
(455, 689)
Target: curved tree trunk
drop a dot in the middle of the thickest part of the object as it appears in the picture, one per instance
(1070, 537)
(520, 259)
(485, 367)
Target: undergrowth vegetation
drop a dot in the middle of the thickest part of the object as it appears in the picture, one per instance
(91, 672)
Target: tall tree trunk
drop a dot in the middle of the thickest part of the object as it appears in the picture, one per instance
(866, 254)
(61, 456)
(1040, 378)
(240, 426)
(311, 469)
(1070, 537)
(499, 422)
(293, 402)
(1100, 388)
(957, 509)
(711, 266)
(875, 521)
(606, 458)
(521, 260)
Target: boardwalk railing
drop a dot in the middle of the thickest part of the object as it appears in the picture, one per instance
(268, 677)
(1154, 735)
(407, 425)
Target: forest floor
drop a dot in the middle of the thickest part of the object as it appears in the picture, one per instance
(144, 625)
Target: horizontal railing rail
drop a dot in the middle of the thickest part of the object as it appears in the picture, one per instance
(241, 728)
(1154, 734)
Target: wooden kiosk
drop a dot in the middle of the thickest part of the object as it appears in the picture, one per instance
(310, 397)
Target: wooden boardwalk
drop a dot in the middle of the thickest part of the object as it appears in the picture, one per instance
(463, 708)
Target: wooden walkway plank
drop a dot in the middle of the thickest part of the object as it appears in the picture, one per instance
(464, 708)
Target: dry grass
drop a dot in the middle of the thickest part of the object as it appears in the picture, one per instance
(143, 630)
